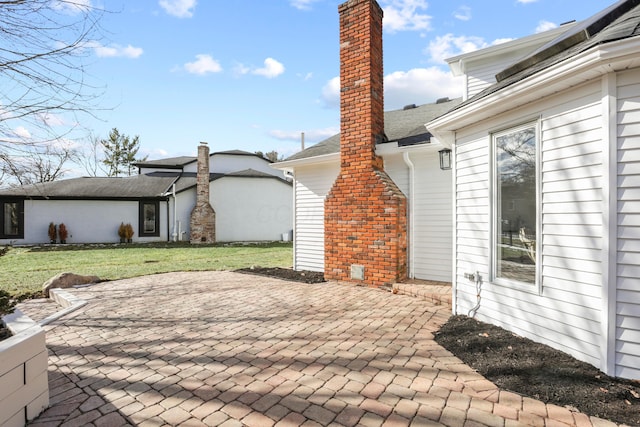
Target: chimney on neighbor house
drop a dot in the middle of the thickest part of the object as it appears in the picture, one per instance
(203, 217)
(365, 212)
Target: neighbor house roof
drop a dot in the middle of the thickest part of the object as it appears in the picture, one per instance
(188, 179)
(133, 187)
(405, 126)
(169, 163)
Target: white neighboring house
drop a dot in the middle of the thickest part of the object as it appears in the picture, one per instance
(252, 202)
(411, 160)
(546, 180)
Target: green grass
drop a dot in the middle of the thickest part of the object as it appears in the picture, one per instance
(24, 269)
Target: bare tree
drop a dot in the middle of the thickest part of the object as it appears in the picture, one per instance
(37, 166)
(42, 78)
(91, 157)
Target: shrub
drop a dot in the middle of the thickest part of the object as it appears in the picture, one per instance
(52, 232)
(122, 231)
(128, 230)
(63, 233)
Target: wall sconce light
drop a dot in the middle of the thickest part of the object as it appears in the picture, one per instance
(445, 159)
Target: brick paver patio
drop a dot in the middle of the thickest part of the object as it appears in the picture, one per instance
(222, 348)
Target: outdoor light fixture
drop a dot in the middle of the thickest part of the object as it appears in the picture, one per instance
(445, 159)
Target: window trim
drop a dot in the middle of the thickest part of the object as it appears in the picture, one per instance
(535, 287)
(141, 205)
(20, 203)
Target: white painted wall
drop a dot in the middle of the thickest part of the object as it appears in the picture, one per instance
(312, 184)
(88, 221)
(565, 312)
(627, 348)
(251, 209)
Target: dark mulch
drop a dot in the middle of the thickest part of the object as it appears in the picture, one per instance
(285, 273)
(535, 370)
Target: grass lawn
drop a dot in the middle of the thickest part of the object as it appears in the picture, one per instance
(25, 269)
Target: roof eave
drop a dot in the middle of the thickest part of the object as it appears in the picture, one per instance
(586, 66)
(289, 165)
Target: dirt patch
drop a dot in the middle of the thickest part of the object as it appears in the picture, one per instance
(540, 372)
(285, 273)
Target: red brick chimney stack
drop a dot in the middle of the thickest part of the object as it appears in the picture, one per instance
(203, 217)
(365, 212)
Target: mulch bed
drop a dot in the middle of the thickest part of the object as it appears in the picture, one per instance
(285, 273)
(535, 370)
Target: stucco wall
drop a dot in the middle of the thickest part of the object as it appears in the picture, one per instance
(251, 209)
(87, 221)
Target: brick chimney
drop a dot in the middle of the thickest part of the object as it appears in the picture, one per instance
(203, 217)
(365, 213)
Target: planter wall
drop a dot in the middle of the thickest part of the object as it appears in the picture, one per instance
(24, 387)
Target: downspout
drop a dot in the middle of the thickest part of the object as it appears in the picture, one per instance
(168, 216)
(174, 236)
(410, 255)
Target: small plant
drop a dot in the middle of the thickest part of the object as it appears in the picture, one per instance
(128, 231)
(63, 233)
(52, 232)
(7, 303)
(122, 232)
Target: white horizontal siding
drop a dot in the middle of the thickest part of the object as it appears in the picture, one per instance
(628, 255)
(566, 313)
(312, 183)
(432, 224)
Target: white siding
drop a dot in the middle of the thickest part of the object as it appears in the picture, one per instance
(88, 221)
(251, 209)
(628, 254)
(312, 183)
(433, 220)
(566, 312)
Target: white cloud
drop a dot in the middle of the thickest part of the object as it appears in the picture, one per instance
(310, 136)
(331, 93)
(116, 51)
(271, 69)
(447, 46)
(545, 26)
(204, 64)
(419, 86)
(500, 41)
(463, 13)
(178, 8)
(527, 1)
(302, 4)
(51, 120)
(416, 86)
(404, 15)
(22, 132)
(72, 7)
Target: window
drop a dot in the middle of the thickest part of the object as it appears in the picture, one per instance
(149, 219)
(515, 205)
(12, 216)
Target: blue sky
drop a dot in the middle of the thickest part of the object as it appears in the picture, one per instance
(254, 74)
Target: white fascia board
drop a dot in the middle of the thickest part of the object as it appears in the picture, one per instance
(583, 67)
(391, 148)
(290, 165)
(459, 64)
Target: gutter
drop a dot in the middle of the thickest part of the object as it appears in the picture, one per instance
(584, 67)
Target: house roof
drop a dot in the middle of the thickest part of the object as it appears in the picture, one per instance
(169, 163)
(619, 21)
(134, 187)
(405, 126)
(181, 161)
(188, 179)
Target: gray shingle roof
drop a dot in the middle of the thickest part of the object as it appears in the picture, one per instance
(406, 126)
(619, 21)
(133, 187)
(169, 163)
